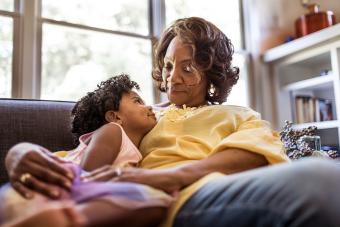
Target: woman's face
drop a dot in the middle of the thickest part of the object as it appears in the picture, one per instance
(184, 83)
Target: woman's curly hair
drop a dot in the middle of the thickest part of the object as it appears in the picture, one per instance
(89, 112)
(212, 55)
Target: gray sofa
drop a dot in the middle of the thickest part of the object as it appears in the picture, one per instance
(43, 122)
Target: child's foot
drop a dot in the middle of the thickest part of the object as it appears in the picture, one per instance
(55, 214)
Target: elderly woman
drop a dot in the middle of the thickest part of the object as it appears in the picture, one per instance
(200, 150)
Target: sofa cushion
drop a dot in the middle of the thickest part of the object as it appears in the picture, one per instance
(37, 121)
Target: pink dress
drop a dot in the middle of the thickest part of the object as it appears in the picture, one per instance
(128, 155)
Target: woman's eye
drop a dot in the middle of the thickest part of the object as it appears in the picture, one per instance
(188, 68)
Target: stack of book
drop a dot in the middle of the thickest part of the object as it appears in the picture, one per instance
(311, 109)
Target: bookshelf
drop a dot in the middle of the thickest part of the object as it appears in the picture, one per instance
(319, 82)
(305, 76)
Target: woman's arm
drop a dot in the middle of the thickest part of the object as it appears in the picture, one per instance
(173, 179)
(229, 161)
(103, 147)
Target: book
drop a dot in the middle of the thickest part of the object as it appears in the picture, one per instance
(299, 110)
(311, 109)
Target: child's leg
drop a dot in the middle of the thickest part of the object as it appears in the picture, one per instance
(94, 213)
(52, 214)
(16, 211)
(12, 204)
(102, 213)
(99, 212)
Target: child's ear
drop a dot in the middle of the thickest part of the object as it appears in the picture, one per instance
(112, 116)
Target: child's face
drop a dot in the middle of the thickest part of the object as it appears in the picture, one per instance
(134, 114)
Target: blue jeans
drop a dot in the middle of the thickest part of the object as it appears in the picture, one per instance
(303, 193)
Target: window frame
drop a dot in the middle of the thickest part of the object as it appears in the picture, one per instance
(16, 17)
(27, 43)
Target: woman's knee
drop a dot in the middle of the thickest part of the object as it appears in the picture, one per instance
(314, 171)
(315, 183)
(302, 191)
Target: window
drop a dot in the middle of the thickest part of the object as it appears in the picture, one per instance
(6, 40)
(119, 15)
(62, 49)
(7, 5)
(74, 61)
(226, 16)
(6, 47)
(239, 93)
(81, 47)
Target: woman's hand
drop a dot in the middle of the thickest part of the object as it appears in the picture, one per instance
(165, 179)
(34, 168)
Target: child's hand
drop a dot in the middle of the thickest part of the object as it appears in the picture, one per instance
(34, 168)
(165, 179)
(104, 173)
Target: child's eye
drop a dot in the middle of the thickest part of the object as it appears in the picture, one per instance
(139, 101)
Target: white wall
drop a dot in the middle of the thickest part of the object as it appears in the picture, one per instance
(273, 20)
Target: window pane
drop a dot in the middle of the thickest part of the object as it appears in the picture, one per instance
(74, 61)
(7, 5)
(239, 93)
(6, 46)
(224, 14)
(123, 15)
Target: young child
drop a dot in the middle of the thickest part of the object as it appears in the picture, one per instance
(109, 124)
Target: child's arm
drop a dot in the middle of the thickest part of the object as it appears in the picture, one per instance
(103, 147)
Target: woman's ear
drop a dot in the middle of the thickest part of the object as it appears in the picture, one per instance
(112, 116)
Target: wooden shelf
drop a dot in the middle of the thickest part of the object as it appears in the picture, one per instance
(322, 36)
(320, 82)
(319, 125)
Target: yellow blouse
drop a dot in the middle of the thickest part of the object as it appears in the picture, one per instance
(189, 134)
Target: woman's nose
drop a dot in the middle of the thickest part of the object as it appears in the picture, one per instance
(174, 76)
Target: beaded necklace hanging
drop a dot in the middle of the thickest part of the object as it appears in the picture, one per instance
(174, 113)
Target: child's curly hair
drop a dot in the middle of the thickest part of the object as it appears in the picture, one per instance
(89, 112)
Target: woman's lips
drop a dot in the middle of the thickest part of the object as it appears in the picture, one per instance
(177, 90)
